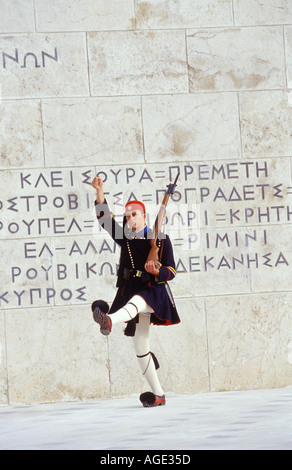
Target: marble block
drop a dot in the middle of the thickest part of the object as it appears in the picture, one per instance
(92, 131)
(236, 59)
(85, 271)
(191, 127)
(241, 193)
(256, 12)
(266, 124)
(43, 65)
(84, 15)
(162, 14)
(17, 16)
(25, 280)
(133, 63)
(52, 202)
(248, 338)
(62, 271)
(21, 134)
(288, 37)
(3, 362)
(55, 355)
(217, 265)
(275, 273)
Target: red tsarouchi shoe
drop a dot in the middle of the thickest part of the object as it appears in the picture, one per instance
(99, 310)
(149, 400)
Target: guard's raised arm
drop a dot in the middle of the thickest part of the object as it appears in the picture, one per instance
(97, 184)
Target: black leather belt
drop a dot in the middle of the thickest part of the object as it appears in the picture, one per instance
(143, 275)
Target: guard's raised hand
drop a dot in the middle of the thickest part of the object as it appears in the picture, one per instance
(97, 184)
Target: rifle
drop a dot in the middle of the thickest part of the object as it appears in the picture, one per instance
(153, 254)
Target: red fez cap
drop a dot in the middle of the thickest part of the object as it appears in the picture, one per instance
(135, 206)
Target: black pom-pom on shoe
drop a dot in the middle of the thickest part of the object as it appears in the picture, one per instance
(149, 400)
(101, 304)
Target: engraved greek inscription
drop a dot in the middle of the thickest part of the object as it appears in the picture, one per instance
(7, 56)
(29, 59)
(224, 219)
(45, 54)
(30, 54)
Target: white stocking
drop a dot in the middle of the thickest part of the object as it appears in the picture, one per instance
(136, 305)
(142, 348)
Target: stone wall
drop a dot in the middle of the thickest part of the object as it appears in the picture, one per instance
(136, 91)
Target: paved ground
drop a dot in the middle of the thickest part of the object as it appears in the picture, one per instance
(248, 420)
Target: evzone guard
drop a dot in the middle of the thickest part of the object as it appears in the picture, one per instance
(143, 297)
